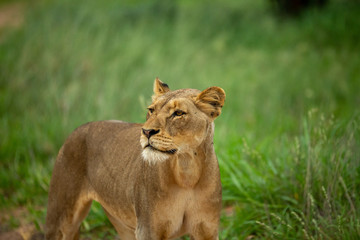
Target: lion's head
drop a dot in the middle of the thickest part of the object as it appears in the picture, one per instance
(179, 121)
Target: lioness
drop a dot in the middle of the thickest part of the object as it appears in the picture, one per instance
(157, 180)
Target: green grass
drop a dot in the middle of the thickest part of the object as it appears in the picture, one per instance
(288, 140)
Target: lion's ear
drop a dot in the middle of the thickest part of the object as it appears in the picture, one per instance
(160, 88)
(210, 101)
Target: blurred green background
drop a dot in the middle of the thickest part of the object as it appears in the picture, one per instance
(288, 137)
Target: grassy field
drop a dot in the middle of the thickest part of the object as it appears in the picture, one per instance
(288, 140)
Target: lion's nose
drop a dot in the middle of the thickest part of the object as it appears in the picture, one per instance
(149, 132)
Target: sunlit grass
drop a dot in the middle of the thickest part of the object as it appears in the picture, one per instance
(288, 137)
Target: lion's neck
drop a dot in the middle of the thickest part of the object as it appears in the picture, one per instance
(187, 168)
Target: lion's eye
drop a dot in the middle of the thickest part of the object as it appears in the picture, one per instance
(151, 110)
(178, 113)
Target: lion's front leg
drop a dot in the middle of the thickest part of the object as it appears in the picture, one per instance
(154, 230)
(144, 232)
(205, 231)
(204, 223)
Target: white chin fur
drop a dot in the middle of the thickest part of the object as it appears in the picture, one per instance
(152, 156)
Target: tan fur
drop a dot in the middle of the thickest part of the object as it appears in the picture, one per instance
(157, 180)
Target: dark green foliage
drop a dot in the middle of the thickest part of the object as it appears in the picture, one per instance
(296, 7)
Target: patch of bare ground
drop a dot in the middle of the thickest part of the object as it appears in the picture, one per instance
(24, 229)
(11, 15)
(229, 211)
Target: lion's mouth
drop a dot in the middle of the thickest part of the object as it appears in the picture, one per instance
(171, 151)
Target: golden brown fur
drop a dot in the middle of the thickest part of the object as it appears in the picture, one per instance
(159, 180)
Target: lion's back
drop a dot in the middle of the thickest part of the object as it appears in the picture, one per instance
(113, 159)
(101, 141)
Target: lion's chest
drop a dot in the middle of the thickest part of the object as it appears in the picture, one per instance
(177, 211)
